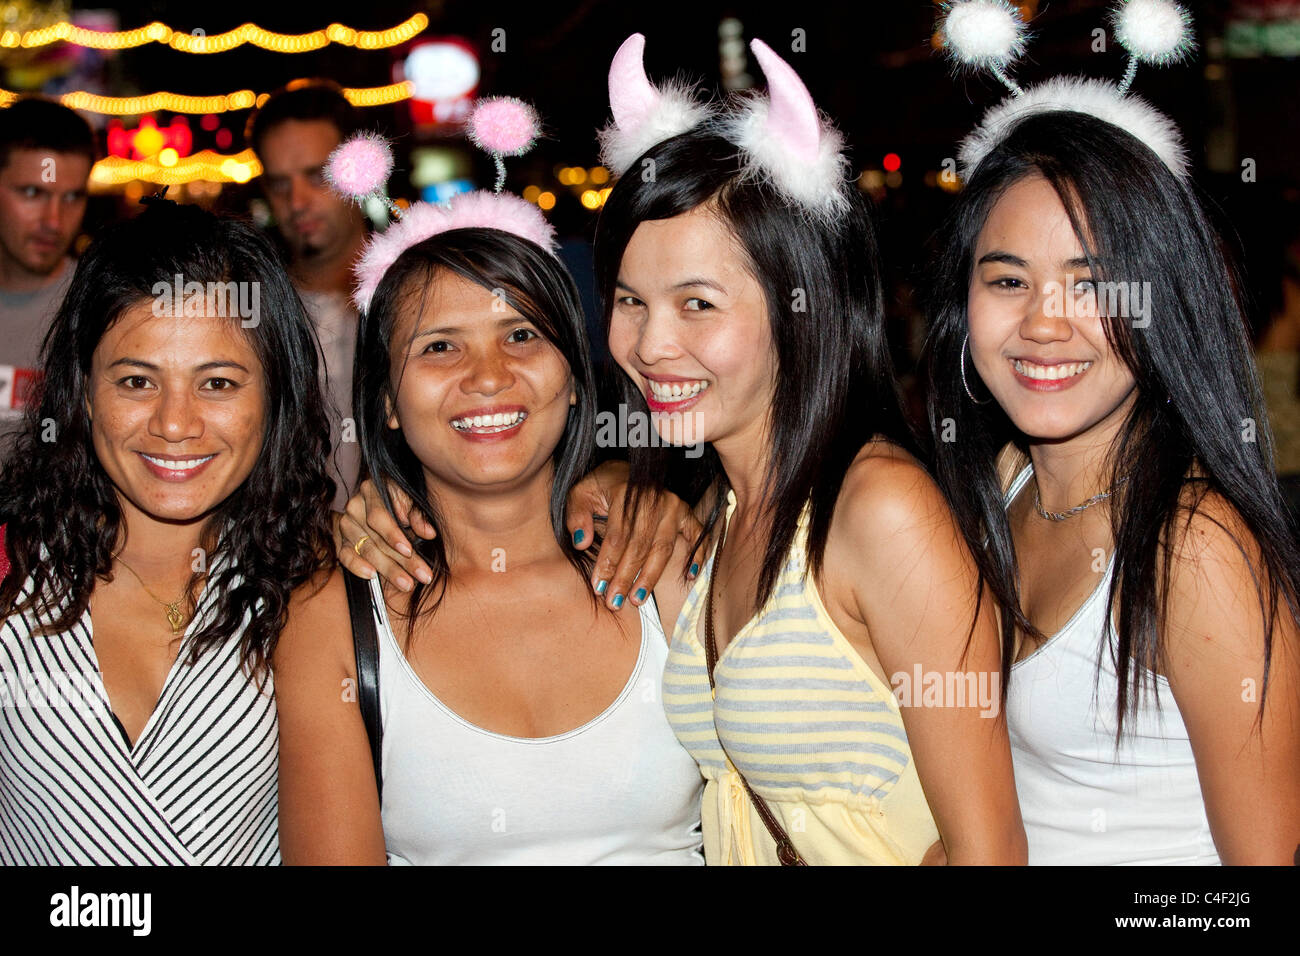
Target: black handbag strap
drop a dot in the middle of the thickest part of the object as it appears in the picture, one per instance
(365, 641)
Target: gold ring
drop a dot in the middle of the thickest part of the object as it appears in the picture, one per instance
(362, 540)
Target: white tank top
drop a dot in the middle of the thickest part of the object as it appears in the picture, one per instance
(1084, 801)
(619, 789)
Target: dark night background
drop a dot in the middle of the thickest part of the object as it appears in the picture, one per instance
(871, 66)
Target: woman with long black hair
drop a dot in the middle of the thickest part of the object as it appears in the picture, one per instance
(857, 711)
(1099, 430)
(521, 719)
(166, 496)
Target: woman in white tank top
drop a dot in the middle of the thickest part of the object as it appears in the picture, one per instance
(1135, 539)
(522, 721)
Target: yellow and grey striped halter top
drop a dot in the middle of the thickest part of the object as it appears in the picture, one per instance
(816, 732)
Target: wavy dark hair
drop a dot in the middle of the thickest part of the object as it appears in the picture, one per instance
(835, 377)
(1196, 383)
(530, 280)
(269, 536)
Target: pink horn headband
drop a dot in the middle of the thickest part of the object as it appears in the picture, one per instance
(643, 114)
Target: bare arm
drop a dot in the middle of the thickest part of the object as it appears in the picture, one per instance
(913, 587)
(1249, 770)
(632, 557)
(329, 804)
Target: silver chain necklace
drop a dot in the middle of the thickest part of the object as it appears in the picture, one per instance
(1062, 515)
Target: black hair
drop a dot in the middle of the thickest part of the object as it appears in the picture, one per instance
(1196, 386)
(32, 122)
(821, 286)
(64, 520)
(314, 99)
(530, 280)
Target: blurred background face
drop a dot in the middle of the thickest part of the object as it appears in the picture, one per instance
(178, 408)
(313, 220)
(42, 202)
(482, 397)
(1036, 337)
(690, 327)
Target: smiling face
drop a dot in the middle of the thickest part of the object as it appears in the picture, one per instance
(482, 397)
(178, 410)
(690, 327)
(1036, 338)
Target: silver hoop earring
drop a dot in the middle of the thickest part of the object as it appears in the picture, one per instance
(963, 374)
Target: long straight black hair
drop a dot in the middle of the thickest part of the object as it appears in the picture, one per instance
(541, 289)
(62, 513)
(1198, 425)
(821, 285)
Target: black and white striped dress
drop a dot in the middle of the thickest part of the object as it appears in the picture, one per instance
(198, 787)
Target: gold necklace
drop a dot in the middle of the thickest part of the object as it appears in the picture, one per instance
(175, 617)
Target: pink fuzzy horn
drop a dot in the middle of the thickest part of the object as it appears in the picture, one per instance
(791, 114)
(785, 141)
(631, 95)
(644, 115)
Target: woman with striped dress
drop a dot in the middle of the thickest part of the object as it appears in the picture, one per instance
(166, 496)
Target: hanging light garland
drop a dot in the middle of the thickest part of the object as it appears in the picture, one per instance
(221, 103)
(218, 43)
(205, 164)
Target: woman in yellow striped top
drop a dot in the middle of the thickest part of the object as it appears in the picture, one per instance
(852, 650)
(858, 683)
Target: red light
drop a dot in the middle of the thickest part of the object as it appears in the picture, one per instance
(223, 139)
(892, 162)
(210, 122)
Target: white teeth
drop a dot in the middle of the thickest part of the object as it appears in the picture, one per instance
(487, 424)
(178, 464)
(1050, 373)
(676, 391)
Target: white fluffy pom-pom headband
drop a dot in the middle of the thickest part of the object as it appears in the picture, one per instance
(989, 35)
(782, 137)
(359, 169)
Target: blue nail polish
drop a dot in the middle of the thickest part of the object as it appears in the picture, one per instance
(578, 536)
(641, 593)
(695, 567)
(600, 586)
(618, 601)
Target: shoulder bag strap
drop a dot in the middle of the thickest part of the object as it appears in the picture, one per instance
(365, 641)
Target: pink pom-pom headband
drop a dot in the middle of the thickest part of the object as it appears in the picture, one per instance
(359, 170)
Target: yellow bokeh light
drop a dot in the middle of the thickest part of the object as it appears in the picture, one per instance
(147, 141)
(169, 157)
(221, 103)
(531, 193)
(599, 175)
(546, 200)
(590, 198)
(220, 42)
(204, 165)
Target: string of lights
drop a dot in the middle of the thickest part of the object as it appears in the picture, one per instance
(157, 32)
(220, 103)
(172, 170)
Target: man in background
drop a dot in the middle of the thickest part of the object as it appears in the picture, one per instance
(293, 135)
(46, 152)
